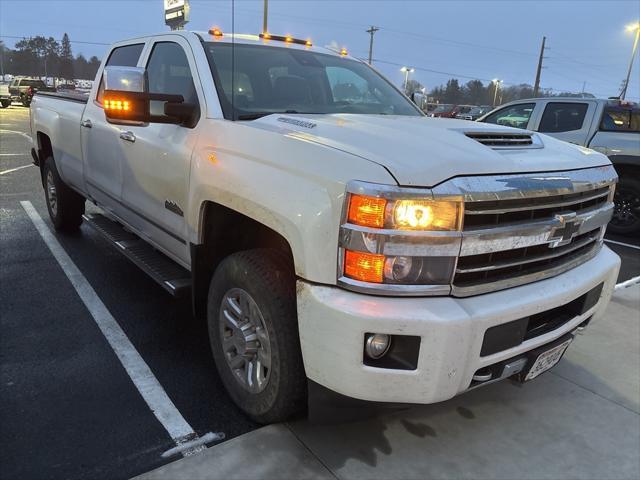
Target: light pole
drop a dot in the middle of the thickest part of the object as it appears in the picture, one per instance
(407, 71)
(630, 28)
(496, 83)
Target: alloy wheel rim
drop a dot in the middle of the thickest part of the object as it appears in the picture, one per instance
(627, 208)
(245, 340)
(52, 194)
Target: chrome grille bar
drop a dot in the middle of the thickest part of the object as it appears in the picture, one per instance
(553, 253)
(601, 193)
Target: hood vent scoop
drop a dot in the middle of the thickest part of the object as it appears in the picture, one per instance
(500, 140)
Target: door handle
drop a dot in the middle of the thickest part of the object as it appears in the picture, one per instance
(128, 136)
(86, 123)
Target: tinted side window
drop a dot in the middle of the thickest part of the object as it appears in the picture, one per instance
(620, 120)
(168, 72)
(563, 117)
(514, 116)
(126, 56)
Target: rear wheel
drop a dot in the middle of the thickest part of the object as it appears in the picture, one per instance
(65, 206)
(5, 103)
(626, 215)
(253, 331)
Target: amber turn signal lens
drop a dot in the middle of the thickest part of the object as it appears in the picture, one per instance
(366, 267)
(117, 104)
(366, 211)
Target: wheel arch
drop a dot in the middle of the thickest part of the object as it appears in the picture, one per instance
(223, 231)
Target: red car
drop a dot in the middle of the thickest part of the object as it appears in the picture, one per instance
(447, 110)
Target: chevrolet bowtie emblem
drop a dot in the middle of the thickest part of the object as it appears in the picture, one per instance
(564, 233)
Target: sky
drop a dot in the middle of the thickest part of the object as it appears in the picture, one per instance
(586, 40)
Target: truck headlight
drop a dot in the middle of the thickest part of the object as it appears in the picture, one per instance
(398, 241)
(404, 214)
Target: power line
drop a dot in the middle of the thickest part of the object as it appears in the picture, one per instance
(57, 40)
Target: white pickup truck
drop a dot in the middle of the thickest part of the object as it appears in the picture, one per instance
(340, 246)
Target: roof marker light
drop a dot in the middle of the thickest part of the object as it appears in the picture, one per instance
(343, 52)
(286, 39)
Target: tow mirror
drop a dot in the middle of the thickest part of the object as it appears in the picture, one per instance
(125, 97)
(127, 101)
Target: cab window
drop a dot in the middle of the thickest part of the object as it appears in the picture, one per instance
(563, 117)
(514, 116)
(126, 56)
(617, 119)
(168, 72)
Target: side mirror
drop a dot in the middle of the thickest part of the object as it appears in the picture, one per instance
(127, 101)
(125, 97)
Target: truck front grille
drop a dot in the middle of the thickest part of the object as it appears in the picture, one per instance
(523, 228)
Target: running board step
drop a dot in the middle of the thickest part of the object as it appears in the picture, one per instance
(171, 276)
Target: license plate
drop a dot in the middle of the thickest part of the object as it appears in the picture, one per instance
(547, 360)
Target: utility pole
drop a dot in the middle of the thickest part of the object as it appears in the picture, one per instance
(631, 28)
(264, 16)
(371, 31)
(536, 87)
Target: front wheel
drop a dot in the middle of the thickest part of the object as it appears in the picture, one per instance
(253, 330)
(5, 103)
(65, 206)
(626, 214)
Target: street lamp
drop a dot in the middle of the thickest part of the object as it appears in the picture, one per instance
(631, 28)
(407, 71)
(496, 82)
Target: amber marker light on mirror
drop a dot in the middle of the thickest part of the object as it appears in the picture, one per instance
(366, 211)
(365, 267)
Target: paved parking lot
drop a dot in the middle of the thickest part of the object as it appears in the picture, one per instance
(69, 410)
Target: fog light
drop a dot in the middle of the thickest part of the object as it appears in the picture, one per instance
(377, 344)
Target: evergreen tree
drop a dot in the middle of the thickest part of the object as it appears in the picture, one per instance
(66, 58)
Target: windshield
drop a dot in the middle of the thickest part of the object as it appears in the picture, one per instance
(443, 108)
(287, 80)
(479, 110)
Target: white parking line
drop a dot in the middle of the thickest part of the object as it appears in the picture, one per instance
(14, 154)
(135, 366)
(622, 243)
(2, 130)
(4, 172)
(628, 283)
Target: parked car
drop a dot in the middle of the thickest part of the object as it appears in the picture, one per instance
(348, 250)
(5, 97)
(611, 127)
(450, 111)
(23, 89)
(474, 113)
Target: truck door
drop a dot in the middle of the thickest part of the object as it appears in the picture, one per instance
(102, 147)
(568, 121)
(156, 175)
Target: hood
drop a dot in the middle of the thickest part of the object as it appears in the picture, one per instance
(422, 151)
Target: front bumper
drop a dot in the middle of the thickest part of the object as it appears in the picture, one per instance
(333, 322)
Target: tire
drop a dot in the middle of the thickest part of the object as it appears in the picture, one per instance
(5, 103)
(65, 206)
(626, 216)
(269, 281)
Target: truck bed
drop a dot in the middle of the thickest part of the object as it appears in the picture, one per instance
(67, 95)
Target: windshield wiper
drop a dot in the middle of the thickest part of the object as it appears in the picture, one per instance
(256, 115)
(253, 116)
